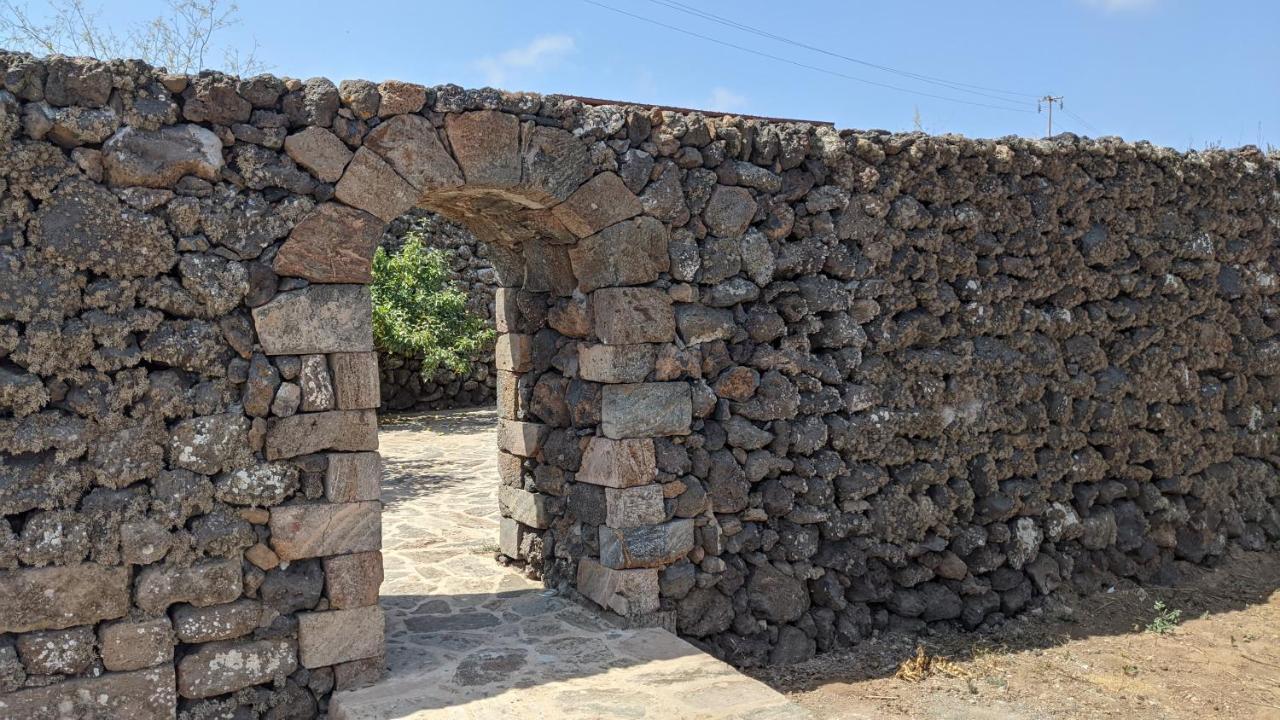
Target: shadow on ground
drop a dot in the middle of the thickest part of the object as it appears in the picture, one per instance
(466, 634)
(530, 654)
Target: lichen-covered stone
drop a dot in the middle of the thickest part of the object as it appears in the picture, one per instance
(316, 319)
(134, 645)
(218, 668)
(86, 227)
(205, 583)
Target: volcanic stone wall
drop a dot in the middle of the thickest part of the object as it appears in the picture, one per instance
(774, 385)
(404, 385)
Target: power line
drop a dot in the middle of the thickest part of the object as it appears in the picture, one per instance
(950, 84)
(796, 63)
(1082, 121)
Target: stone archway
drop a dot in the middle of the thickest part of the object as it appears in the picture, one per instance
(573, 252)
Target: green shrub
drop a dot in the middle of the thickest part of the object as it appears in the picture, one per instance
(419, 312)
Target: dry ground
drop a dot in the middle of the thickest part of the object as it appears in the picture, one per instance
(1093, 657)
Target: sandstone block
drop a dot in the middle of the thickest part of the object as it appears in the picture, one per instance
(218, 668)
(512, 397)
(359, 673)
(514, 352)
(62, 597)
(217, 622)
(138, 695)
(618, 463)
(616, 363)
(510, 533)
(316, 319)
(411, 146)
(332, 244)
(547, 268)
(320, 152)
(645, 546)
(634, 506)
(632, 252)
(355, 380)
(203, 583)
(625, 592)
(600, 202)
(343, 430)
(506, 311)
(159, 158)
(399, 97)
(353, 477)
(129, 645)
(646, 410)
(633, 315)
(372, 185)
(555, 164)
(262, 557)
(487, 146)
(317, 387)
(319, 529)
(352, 581)
(520, 438)
(338, 636)
(509, 468)
(524, 507)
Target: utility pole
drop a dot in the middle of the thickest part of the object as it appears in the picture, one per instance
(1049, 100)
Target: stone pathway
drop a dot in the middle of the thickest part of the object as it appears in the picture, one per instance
(468, 638)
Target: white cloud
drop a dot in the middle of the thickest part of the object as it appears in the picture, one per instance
(1121, 5)
(543, 53)
(725, 100)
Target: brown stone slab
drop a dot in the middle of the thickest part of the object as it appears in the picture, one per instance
(633, 315)
(339, 636)
(487, 146)
(372, 185)
(600, 202)
(138, 695)
(355, 380)
(320, 529)
(353, 477)
(343, 430)
(332, 244)
(352, 581)
(618, 463)
(53, 598)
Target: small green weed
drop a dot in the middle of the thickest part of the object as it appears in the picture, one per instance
(1166, 619)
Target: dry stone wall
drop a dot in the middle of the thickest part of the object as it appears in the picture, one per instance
(772, 384)
(404, 385)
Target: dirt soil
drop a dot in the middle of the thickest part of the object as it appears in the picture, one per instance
(1215, 654)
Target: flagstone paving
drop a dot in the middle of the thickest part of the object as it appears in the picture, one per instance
(469, 638)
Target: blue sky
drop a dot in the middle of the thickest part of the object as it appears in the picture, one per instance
(1183, 73)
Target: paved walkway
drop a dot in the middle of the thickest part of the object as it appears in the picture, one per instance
(468, 638)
